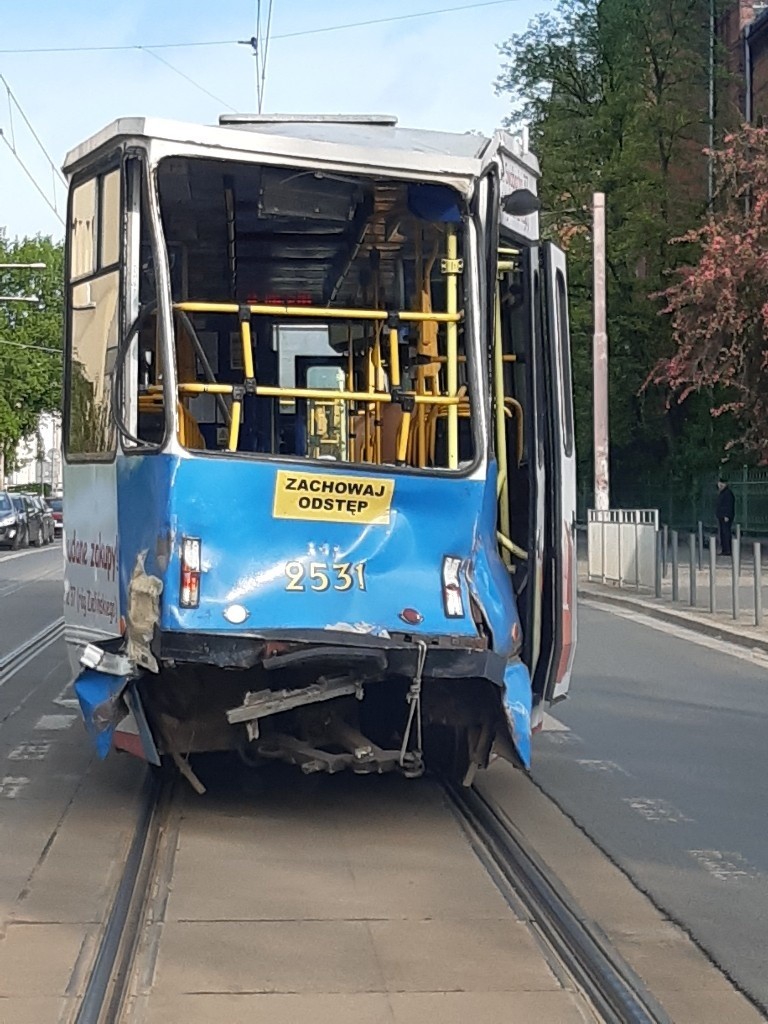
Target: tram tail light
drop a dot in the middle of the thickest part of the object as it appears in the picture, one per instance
(453, 602)
(190, 572)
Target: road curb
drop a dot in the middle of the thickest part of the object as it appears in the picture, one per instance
(716, 630)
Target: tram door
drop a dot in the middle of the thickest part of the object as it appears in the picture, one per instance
(560, 579)
(94, 305)
(555, 423)
(541, 502)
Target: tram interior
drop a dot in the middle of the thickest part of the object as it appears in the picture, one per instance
(270, 236)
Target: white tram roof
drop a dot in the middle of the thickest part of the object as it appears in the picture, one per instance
(365, 142)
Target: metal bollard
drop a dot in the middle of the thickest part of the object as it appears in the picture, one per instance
(701, 544)
(657, 590)
(713, 574)
(675, 580)
(738, 542)
(664, 549)
(692, 569)
(735, 573)
(758, 556)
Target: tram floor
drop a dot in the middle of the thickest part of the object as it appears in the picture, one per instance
(282, 898)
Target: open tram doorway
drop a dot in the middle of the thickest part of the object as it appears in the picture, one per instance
(535, 431)
(362, 276)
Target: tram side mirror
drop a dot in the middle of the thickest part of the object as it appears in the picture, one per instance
(521, 203)
(147, 357)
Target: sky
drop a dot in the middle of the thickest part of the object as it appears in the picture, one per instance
(435, 72)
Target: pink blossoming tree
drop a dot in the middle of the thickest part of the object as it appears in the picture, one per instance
(719, 304)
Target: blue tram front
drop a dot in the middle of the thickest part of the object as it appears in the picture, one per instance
(319, 445)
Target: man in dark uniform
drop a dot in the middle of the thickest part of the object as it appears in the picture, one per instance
(725, 509)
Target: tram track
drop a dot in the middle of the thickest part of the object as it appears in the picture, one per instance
(108, 983)
(584, 957)
(614, 991)
(27, 651)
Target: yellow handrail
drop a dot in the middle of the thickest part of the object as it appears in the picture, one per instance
(321, 394)
(320, 312)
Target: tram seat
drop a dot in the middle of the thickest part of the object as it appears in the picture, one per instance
(152, 428)
(391, 416)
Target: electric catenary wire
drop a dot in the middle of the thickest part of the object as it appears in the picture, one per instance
(9, 138)
(260, 45)
(248, 42)
(186, 77)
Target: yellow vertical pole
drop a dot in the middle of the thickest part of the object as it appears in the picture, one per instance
(403, 436)
(501, 427)
(370, 370)
(376, 385)
(349, 407)
(452, 341)
(245, 333)
(394, 358)
(234, 427)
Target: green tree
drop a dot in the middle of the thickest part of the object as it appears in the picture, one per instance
(30, 377)
(615, 95)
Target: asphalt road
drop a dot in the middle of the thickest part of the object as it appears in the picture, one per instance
(661, 757)
(31, 594)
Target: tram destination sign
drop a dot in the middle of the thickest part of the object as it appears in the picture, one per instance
(333, 498)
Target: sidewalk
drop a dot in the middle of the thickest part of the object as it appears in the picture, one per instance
(721, 624)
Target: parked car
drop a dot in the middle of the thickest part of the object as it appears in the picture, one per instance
(56, 505)
(36, 526)
(14, 523)
(49, 530)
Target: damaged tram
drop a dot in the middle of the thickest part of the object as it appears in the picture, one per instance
(319, 446)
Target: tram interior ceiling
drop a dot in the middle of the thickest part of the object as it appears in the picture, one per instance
(316, 314)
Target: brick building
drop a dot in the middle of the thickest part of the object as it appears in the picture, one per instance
(755, 62)
(742, 32)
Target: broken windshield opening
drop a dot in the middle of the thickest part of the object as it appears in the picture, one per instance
(317, 315)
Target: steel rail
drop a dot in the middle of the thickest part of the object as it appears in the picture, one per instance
(613, 989)
(20, 656)
(107, 985)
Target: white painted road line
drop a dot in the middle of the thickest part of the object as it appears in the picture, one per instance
(51, 723)
(756, 656)
(551, 724)
(609, 767)
(726, 867)
(653, 809)
(11, 786)
(30, 751)
(28, 551)
(67, 698)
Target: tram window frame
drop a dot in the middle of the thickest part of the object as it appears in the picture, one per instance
(99, 271)
(140, 289)
(469, 293)
(564, 360)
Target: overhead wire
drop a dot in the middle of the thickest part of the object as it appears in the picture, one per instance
(248, 42)
(31, 176)
(260, 46)
(56, 175)
(186, 77)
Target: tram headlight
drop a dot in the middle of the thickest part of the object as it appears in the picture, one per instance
(190, 572)
(453, 602)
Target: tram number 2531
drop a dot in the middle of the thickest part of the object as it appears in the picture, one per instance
(320, 576)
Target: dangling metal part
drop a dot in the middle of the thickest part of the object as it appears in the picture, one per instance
(412, 761)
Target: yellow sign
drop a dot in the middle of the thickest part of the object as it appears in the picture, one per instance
(331, 498)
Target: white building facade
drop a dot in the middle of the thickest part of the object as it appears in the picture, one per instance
(38, 457)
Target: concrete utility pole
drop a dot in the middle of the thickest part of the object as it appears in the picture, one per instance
(600, 358)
